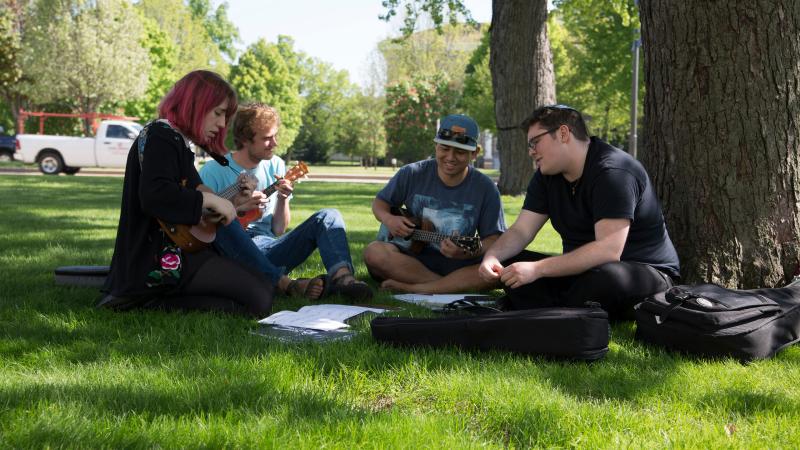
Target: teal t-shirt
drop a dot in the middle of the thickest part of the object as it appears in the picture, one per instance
(218, 178)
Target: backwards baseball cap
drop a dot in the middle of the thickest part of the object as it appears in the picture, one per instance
(459, 131)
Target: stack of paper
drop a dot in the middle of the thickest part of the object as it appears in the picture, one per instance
(318, 317)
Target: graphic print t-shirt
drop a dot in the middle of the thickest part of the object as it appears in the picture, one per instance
(470, 207)
(218, 178)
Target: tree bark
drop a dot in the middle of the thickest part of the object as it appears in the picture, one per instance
(723, 126)
(522, 79)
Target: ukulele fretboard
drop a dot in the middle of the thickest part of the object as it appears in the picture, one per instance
(432, 236)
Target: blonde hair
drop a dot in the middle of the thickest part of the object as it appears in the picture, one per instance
(249, 118)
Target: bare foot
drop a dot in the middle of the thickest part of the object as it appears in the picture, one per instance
(399, 286)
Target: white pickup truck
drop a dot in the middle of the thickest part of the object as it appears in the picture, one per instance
(55, 154)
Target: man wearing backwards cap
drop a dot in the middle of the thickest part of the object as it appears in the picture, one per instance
(457, 199)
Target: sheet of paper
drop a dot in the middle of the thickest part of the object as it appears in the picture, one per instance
(440, 299)
(318, 317)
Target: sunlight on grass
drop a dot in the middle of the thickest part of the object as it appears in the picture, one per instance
(72, 375)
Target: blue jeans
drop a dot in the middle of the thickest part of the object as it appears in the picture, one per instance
(278, 256)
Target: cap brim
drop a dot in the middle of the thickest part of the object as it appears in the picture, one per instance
(455, 144)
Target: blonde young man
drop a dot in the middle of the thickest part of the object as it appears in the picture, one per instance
(265, 244)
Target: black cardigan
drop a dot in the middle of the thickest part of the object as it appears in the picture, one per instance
(160, 181)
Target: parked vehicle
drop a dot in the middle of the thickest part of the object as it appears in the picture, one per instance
(56, 154)
(7, 146)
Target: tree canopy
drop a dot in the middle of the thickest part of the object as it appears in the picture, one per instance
(163, 56)
(428, 52)
(591, 41)
(195, 46)
(477, 99)
(220, 29)
(436, 10)
(268, 73)
(70, 59)
(412, 110)
(326, 93)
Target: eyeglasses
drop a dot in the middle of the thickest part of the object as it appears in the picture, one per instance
(535, 140)
(449, 135)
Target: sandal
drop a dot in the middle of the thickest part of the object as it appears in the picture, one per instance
(348, 286)
(294, 289)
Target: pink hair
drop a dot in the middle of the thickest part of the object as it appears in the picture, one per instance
(192, 97)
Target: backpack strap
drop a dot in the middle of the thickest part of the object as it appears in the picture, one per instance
(467, 306)
(675, 296)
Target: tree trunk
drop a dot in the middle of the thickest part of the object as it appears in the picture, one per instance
(723, 130)
(522, 79)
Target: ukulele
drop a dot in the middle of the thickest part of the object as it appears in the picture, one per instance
(295, 173)
(424, 233)
(193, 238)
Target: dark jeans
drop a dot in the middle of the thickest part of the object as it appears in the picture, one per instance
(616, 286)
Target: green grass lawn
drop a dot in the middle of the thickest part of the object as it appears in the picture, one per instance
(74, 376)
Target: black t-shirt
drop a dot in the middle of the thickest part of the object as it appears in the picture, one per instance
(160, 181)
(613, 185)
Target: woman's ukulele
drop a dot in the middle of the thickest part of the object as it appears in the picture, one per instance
(193, 238)
(295, 173)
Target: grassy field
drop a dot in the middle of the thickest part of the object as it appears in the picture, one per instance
(74, 376)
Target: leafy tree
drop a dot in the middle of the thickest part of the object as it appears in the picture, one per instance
(518, 28)
(362, 133)
(326, 94)
(13, 16)
(163, 57)
(68, 58)
(195, 46)
(430, 52)
(419, 9)
(477, 99)
(591, 42)
(263, 74)
(412, 110)
(10, 70)
(220, 29)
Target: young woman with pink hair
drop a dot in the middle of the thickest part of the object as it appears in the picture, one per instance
(148, 269)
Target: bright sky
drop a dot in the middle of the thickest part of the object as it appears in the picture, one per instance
(340, 32)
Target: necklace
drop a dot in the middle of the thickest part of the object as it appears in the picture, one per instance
(573, 185)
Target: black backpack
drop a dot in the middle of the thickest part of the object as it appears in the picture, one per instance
(709, 320)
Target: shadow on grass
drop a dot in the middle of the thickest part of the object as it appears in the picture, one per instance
(47, 331)
(190, 363)
(252, 391)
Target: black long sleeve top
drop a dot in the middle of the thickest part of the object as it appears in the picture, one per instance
(160, 182)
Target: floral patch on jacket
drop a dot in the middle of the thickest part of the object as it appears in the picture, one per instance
(168, 271)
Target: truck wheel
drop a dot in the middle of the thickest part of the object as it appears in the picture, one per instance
(71, 170)
(50, 163)
(6, 155)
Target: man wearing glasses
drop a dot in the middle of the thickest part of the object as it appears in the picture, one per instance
(454, 202)
(616, 249)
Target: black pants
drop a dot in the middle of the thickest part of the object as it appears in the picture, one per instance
(616, 286)
(216, 283)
